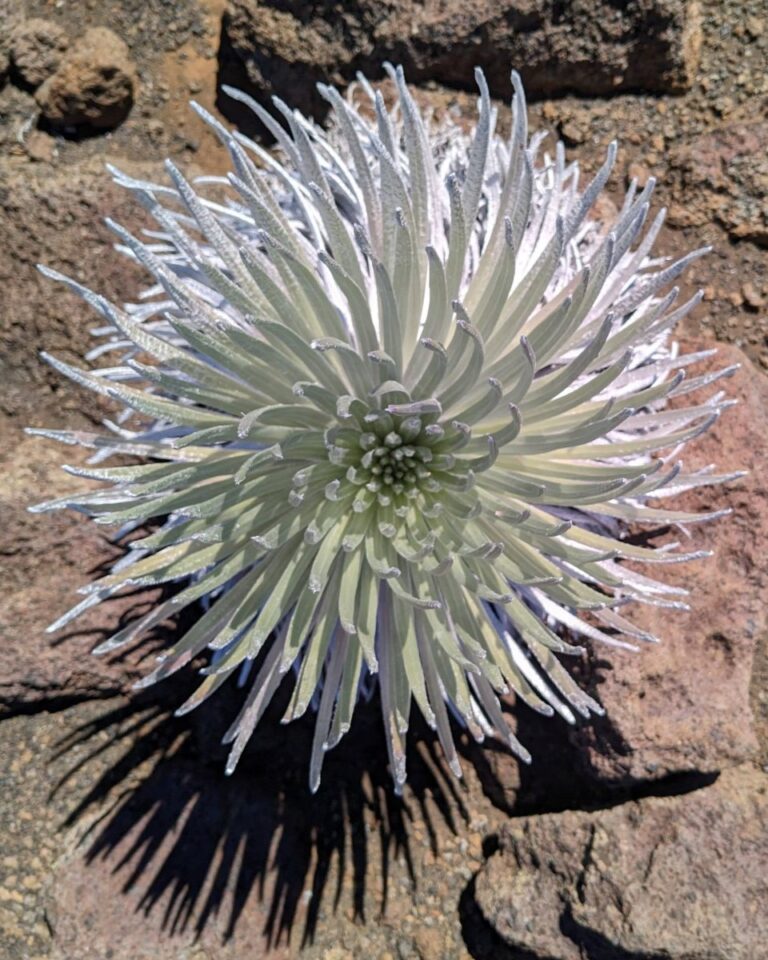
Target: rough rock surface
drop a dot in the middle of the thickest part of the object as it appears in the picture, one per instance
(36, 667)
(672, 878)
(682, 706)
(37, 47)
(51, 217)
(94, 84)
(723, 176)
(582, 47)
(51, 905)
(122, 839)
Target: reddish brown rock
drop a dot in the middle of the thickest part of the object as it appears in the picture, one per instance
(44, 560)
(55, 216)
(37, 47)
(723, 176)
(681, 706)
(94, 84)
(577, 47)
(63, 773)
(674, 878)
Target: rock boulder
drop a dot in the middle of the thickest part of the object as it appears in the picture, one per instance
(581, 47)
(93, 86)
(667, 878)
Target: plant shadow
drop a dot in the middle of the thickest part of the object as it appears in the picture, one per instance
(191, 845)
(194, 844)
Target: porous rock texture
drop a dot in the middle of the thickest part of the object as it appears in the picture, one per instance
(37, 47)
(652, 878)
(586, 47)
(42, 570)
(723, 175)
(50, 215)
(93, 85)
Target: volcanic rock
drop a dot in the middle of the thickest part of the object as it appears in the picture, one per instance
(582, 47)
(723, 176)
(680, 707)
(45, 560)
(37, 47)
(94, 85)
(668, 878)
(683, 704)
(5, 63)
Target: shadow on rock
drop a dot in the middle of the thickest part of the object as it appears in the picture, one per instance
(162, 826)
(596, 946)
(195, 844)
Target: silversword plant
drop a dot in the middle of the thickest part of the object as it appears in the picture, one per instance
(397, 397)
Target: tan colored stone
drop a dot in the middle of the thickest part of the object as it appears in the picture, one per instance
(37, 48)
(94, 85)
(722, 175)
(684, 878)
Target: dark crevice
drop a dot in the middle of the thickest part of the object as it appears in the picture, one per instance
(480, 938)
(490, 845)
(586, 861)
(77, 133)
(607, 795)
(595, 946)
(483, 942)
